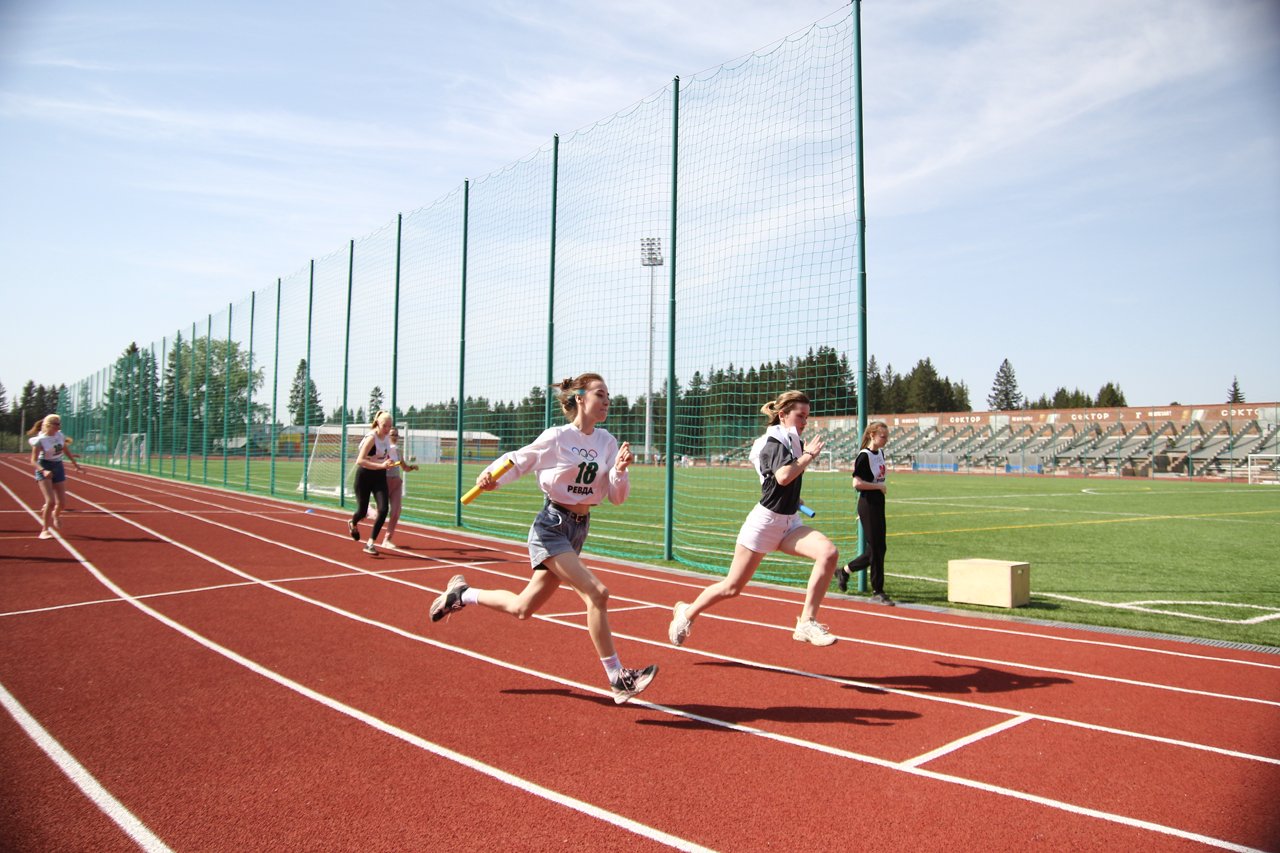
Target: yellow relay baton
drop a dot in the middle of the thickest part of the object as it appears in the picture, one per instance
(476, 490)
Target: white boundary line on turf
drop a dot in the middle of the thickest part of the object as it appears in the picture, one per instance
(896, 646)
(82, 778)
(681, 577)
(834, 751)
(757, 664)
(500, 775)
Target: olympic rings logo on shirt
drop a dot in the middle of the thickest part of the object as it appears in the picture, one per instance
(584, 452)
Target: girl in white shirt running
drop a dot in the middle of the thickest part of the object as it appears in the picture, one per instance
(578, 465)
(47, 450)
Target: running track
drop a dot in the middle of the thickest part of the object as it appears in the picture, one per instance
(189, 669)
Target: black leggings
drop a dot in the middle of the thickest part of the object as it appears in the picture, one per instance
(369, 482)
(873, 528)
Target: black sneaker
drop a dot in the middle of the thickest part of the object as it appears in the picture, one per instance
(351, 528)
(842, 578)
(631, 681)
(881, 598)
(449, 601)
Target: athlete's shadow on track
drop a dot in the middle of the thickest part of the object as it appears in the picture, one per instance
(460, 555)
(738, 714)
(976, 679)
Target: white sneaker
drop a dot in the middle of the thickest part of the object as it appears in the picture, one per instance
(370, 548)
(45, 534)
(811, 631)
(680, 627)
(387, 543)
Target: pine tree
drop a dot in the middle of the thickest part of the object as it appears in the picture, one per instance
(375, 401)
(1111, 397)
(1005, 395)
(304, 397)
(1234, 394)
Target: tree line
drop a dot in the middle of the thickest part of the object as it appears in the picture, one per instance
(206, 391)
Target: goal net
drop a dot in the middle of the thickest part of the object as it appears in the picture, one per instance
(1264, 468)
(130, 450)
(325, 460)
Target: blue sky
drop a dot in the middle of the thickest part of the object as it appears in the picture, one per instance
(1089, 189)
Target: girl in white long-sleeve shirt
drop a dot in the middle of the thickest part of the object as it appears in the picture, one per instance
(578, 464)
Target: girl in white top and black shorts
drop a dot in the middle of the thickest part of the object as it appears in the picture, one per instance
(780, 458)
(48, 446)
(578, 465)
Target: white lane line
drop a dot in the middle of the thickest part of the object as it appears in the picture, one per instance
(81, 777)
(464, 539)
(921, 696)
(966, 741)
(804, 744)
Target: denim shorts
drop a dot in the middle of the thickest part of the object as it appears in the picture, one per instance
(55, 471)
(556, 531)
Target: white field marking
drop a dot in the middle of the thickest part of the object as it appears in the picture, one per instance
(370, 720)
(1141, 606)
(83, 779)
(639, 829)
(646, 641)
(878, 613)
(966, 741)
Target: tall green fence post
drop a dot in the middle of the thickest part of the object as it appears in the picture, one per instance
(860, 215)
(346, 369)
(275, 392)
(248, 389)
(226, 403)
(152, 383)
(191, 399)
(395, 328)
(306, 388)
(551, 300)
(204, 427)
(670, 488)
(462, 357)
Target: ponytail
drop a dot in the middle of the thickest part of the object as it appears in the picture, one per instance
(569, 390)
(774, 410)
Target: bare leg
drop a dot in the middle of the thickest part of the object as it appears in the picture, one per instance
(807, 542)
(744, 565)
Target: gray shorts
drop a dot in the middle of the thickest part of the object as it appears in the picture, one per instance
(555, 531)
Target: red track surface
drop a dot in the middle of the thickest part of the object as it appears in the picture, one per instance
(210, 671)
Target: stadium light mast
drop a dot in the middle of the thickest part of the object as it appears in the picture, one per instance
(651, 257)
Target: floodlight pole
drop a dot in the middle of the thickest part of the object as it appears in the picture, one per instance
(651, 257)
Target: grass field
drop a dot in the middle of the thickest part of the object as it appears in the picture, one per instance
(1197, 559)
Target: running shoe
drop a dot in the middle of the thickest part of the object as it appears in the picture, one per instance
(680, 625)
(351, 528)
(45, 534)
(811, 631)
(881, 598)
(842, 578)
(631, 681)
(387, 543)
(370, 548)
(449, 601)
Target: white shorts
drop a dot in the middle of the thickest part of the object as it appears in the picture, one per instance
(764, 529)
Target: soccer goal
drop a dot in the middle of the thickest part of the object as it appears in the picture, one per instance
(325, 463)
(130, 450)
(1264, 468)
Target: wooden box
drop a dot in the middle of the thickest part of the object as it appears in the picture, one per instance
(995, 583)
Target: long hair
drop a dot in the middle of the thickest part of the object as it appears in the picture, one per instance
(871, 430)
(569, 390)
(38, 426)
(786, 401)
